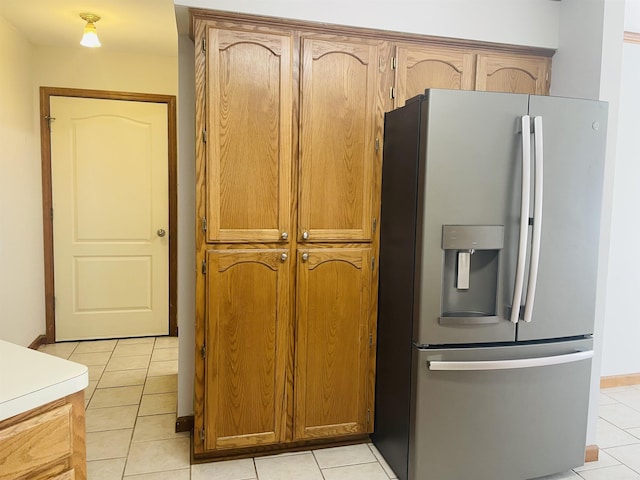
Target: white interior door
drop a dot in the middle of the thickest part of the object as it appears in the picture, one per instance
(110, 218)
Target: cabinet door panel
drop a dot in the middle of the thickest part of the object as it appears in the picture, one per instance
(246, 338)
(340, 108)
(249, 99)
(419, 68)
(512, 73)
(332, 342)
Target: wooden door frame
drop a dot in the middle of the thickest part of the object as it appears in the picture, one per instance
(47, 194)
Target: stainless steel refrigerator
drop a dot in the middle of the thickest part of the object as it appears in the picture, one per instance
(488, 266)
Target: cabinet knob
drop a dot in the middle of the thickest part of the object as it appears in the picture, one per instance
(305, 235)
(284, 235)
(305, 257)
(284, 257)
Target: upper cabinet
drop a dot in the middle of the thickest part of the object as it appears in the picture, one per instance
(418, 68)
(248, 132)
(497, 72)
(340, 112)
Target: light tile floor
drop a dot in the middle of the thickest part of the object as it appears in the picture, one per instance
(131, 411)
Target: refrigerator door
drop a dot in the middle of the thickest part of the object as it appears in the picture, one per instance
(574, 135)
(513, 413)
(468, 202)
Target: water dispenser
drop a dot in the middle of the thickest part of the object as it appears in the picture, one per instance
(471, 265)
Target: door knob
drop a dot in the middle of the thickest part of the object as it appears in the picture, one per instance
(161, 232)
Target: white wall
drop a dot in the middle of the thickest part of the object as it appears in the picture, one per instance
(186, 225)
(102, 70)
(21, 248)
(522, 22)
(622, 326)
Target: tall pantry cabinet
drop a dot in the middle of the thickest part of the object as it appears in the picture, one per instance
(288, 182)
(290, 119)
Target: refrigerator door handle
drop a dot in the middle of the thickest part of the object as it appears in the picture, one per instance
(537, 217)
(510, 364)
(524, 218)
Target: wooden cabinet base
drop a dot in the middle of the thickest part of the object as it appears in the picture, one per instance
(229, 454)
(47, 442)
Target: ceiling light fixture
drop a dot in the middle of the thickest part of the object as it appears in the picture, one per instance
(90, 36)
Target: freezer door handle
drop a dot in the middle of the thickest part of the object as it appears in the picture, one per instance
(537, 218)
(524, 218)
(438, 365)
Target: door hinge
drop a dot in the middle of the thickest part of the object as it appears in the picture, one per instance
(204, 224)
(394, 63)
(202, 435)
(204, 267)
(377, 145)
(392, 93)
(204, 136)
(203, 351)
(49, 119)
(204, 44)
(375, 224)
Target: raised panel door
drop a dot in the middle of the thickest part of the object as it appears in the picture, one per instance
(246, 344)
(341, 114)
(249, 128)
(419, 68)
(497, 72)
(332, 344)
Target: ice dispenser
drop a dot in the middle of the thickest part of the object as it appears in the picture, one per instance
(471, 265)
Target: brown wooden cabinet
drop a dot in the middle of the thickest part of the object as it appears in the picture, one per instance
(339, 121)
(47, 442)
(418, 68)
(498, 72)
(332, 347)
(248, 315)
(290, 116)
(248, 133)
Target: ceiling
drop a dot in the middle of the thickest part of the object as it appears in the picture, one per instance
(133, 26)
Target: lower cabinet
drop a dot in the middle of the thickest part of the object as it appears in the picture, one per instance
(47, 442)
(248, 315)
(332, 342)
(271, 380)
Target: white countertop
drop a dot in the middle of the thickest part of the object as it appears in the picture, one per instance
(29, 379)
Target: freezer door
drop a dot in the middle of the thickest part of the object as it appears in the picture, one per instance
(574, 134)
(513, 413)
(468, 211)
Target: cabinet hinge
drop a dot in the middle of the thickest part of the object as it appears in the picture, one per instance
(546, 76)
(202, 435)
(204, 136)
(375, 224)
(392, 93)
(204, 44)
(204, 267)
(203, 351)
(394, 63)
(377, 145)
(204, 224)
